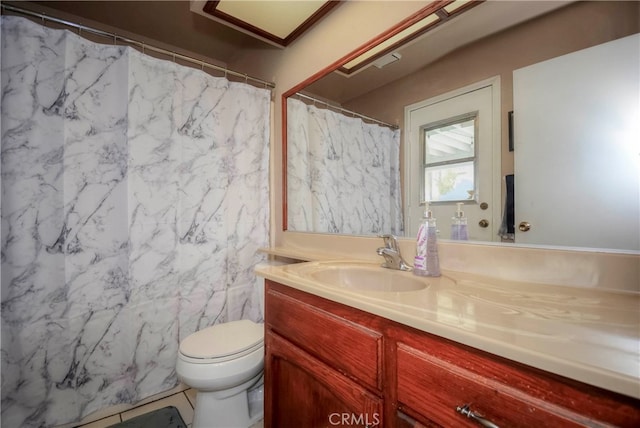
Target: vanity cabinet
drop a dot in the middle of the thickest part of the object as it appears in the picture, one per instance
(323, 363)
(328, 364)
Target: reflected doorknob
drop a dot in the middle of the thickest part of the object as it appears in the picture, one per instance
(483, 223)
(524, 226)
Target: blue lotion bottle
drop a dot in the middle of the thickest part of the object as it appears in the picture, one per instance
(426, 262)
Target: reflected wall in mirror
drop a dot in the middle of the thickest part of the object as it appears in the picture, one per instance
(492, 39)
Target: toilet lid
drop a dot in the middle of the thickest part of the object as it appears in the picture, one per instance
(222, 340)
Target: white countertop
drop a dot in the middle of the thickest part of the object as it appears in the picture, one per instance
(587, 334)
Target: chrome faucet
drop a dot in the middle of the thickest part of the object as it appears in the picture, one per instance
(391, 253)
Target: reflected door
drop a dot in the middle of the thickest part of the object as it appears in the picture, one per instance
(577, 148)
(449, 150)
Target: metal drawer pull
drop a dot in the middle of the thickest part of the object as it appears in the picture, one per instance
(465, 411)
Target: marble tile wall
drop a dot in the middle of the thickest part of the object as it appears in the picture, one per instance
(134, 197)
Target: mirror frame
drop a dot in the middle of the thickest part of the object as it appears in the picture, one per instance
(401, 26)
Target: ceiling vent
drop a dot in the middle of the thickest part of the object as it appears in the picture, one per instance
(387, 59)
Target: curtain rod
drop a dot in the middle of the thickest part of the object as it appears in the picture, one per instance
(342, 110)
(141, 45)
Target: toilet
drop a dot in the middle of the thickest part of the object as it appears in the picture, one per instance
(223, 363)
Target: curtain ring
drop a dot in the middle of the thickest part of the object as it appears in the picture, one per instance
(143, 49)
(246, 78)
(202, 65)
(115, 40)
(174, 57)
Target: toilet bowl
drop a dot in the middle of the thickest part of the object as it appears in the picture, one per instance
(222, 363)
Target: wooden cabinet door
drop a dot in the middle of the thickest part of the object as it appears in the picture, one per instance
(320, 329)
(301, 391)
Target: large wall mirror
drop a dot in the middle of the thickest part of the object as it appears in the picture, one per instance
(352, 133)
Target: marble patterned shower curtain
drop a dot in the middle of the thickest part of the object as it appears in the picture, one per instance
(343, 175)
(134, 197)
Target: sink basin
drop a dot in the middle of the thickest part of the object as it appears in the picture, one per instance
(365, 277)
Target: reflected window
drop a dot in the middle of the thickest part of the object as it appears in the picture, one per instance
(449, 159)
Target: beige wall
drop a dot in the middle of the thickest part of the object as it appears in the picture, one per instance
(574, 27)
(348, 27)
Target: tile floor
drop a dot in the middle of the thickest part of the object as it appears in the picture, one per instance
(184, 401)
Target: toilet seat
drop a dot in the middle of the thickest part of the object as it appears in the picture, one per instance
(223, 342)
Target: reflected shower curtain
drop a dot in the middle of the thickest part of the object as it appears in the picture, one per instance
(343, 174)
(134, 197)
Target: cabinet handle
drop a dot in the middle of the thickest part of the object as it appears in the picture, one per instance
(466, 411)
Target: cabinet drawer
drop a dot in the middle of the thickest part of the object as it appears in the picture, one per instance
(435, 388)
(348, 347)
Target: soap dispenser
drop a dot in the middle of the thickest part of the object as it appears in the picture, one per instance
(459, 230)
(426, 262)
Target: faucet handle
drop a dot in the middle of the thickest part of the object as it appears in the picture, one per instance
(390, 241)
(391, 254)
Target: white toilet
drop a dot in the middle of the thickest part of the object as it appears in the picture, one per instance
(222, 363)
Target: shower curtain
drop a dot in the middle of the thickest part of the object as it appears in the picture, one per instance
(134, 197)
(343, 175)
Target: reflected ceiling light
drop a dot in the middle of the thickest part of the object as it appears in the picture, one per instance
(276, 22)
(412, 31)
(452, 7)
(399, 38)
